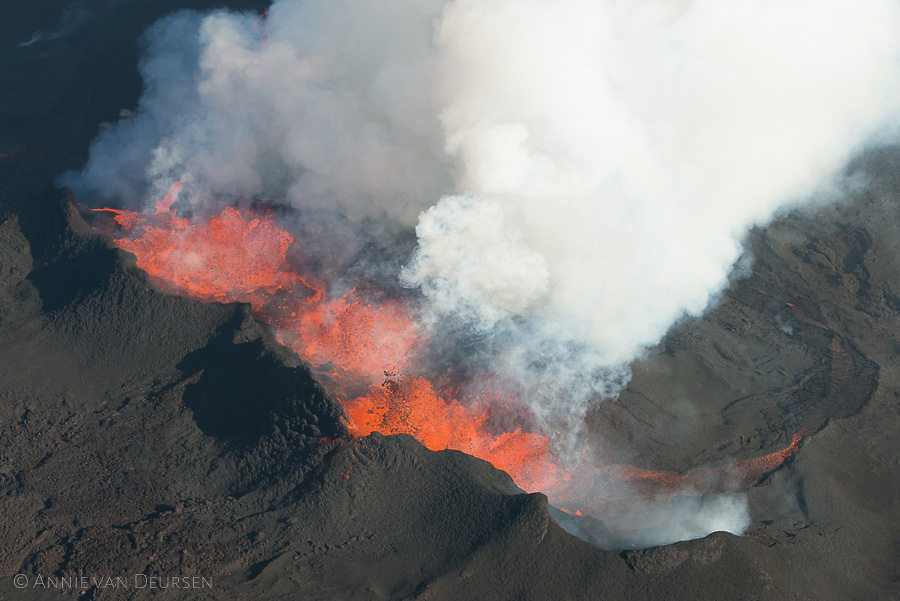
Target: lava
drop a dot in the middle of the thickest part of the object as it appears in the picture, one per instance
(364, 351)
(411, 405)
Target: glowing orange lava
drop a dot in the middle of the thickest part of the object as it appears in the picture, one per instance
(365, 350)
(411, 405)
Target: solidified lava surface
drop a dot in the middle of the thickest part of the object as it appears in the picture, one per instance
(130, 450)
(147, 433)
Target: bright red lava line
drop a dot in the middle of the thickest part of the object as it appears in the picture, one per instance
(364, 351)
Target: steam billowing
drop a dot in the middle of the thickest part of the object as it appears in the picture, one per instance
(579, 173)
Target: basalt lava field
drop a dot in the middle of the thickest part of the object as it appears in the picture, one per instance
(243, 382)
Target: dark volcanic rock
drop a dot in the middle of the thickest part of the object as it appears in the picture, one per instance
(150, 434)
(142, 433)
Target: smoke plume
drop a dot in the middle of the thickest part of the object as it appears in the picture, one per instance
(579, 173)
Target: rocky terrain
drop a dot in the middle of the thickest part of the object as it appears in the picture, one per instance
(144, 433)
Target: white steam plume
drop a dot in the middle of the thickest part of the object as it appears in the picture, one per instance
(325, 105)
(585, 167)
(603, 158)
(624, 148)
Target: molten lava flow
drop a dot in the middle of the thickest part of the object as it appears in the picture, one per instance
(233, 257)
(357, 338)
(583, 487)
(412, 406)
(364, 351)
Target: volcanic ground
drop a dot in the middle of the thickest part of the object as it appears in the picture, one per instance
(146, 433)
